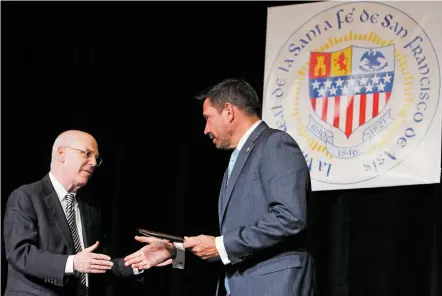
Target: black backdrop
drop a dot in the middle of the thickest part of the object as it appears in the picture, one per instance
(127, 73)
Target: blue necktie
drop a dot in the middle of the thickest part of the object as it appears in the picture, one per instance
(232, 161)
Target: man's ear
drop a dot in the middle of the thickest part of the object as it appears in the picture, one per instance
(61, 153)
(228, 107)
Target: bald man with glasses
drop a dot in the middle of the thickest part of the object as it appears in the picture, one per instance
(53, 237)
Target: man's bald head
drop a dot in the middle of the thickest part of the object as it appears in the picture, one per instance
(69, 138)
(71, 163)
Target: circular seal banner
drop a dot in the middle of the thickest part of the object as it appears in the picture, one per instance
(358, 87)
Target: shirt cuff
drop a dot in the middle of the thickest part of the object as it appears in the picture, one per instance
(137, 271)
(178, 261)
(219, 244)
(69, 268)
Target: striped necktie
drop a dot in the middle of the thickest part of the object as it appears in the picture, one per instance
(70, 216)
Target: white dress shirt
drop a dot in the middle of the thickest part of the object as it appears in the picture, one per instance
(219, 241)
(61, 193)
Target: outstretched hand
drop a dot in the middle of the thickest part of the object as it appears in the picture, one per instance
(87, 261)
(157, 252)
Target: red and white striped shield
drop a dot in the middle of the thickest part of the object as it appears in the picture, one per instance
(350, 87)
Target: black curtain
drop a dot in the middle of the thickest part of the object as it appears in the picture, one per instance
(381, 241)
(127, 72)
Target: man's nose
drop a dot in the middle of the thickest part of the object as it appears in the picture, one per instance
(93, 161)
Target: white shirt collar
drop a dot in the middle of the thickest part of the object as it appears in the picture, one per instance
(59, 189)
(246, 135)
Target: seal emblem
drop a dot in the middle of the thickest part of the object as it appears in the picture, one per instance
(358, 87)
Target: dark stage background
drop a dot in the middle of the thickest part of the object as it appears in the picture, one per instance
(127, 73)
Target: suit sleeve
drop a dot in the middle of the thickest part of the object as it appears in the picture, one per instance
(120, 270)
(284, 180)
(21, 237)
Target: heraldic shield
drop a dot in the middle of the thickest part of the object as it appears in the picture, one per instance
(351, 86)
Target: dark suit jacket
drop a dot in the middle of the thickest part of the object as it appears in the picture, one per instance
(38, 242)
(263, 217)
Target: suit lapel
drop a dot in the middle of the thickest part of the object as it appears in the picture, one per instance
(243, 155)
(221, 196)
(56, 211)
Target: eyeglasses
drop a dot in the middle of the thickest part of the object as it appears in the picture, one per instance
(89, 154)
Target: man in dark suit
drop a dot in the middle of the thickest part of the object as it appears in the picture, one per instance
(262, 202)
(53, 235)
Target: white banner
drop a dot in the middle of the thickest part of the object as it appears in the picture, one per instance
(357, 84)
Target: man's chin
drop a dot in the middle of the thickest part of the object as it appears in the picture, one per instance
(84, 179)
(222, 147)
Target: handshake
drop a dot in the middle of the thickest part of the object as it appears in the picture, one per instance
(156, 252)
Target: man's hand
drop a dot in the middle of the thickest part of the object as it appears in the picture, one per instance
(157, 252)
(88, 262)
(202, 246)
